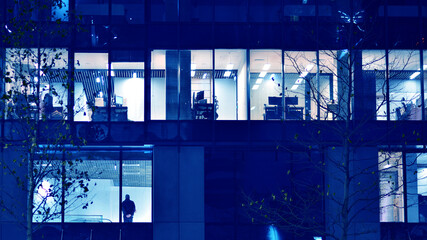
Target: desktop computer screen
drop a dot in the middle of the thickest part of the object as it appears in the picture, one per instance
(119, 100)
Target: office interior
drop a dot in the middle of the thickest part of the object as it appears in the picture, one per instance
(223, 85)
(107, 181)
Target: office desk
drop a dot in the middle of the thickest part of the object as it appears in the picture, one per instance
(273, 112)
(294, 113)
(117, 114)
(203, 111)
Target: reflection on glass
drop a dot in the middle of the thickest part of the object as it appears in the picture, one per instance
(91, 87)
(405, 85)
(391, 186)
(231, 84)
(128, 11)
(266, 85)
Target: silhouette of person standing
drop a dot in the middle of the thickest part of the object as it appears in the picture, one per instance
(128, 209)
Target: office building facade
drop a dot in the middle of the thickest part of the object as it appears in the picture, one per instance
(200, 109)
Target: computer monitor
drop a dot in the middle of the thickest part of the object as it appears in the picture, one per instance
(119, 100)
(200, 95)
(275, 101)
(291, 100)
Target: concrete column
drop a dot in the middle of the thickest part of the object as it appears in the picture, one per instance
(185, 85)
(172, 83)
(178, 85)
(343, 81)
(364, 91)
(178, 193)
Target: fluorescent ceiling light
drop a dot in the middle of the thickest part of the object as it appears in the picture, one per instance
(227, 73)
(230, 66)
(258, 81)
(193, 66)
(130, 165)
(193, 73)
(266, 66)
(134, 75)
(98, 80)
(255, 87)
(205, 75)
(299, 80)
(112, 73)
(36, 79)
(294, 87)
(262, 74)
(414, 75)
(100, 94)
(309, 67)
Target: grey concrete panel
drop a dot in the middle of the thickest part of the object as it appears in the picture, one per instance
(192, 184)
(165, 184)
(192, 231)
(166, 231)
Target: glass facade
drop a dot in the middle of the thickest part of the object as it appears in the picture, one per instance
(360, 64)
(97, 198)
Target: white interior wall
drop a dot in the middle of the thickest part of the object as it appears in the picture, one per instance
(158, 98)
(225, 91)
(242, 86)
(132, 91)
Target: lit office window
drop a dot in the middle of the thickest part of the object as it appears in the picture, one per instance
(265, 81)
(101, 201)
(137, 183)
(335, 64)
(37, 91)
(231, 84)
(91, 87)
(127, 73)
(302, 96)
(425, 83)
(196, 65)
(416, 186)
(405, 85)
(391, 187)
(48, 188)
(374, 83)
(182, 81)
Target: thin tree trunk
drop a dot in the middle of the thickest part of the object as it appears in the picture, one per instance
(30, 197)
